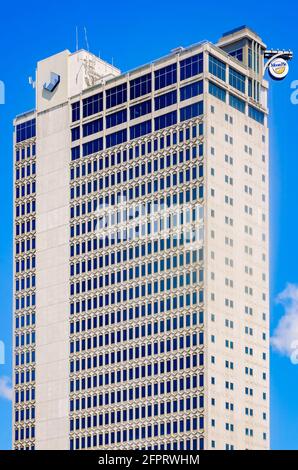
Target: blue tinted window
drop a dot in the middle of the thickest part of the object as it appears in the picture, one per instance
(256, 114)
(116, 138)
(75, 111)
(249, 58)
(165, 120)
(140, 109)
(249, 91)
(116, 95)
(92, 146)
(237, 80)
(217, 67)
(165, 100)
(238, 54)
(92, 127)
(116, 118)
(92, 104)
(191, 66)
(75, 133)
(237, 103)
(140, 86)
(191, 90)
(140, 129)
(26, 130)
(75, 152)
(191, 111)
(217, 91)
(165, 76)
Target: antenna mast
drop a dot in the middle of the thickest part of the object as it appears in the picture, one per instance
(77, 39)
(86, 38)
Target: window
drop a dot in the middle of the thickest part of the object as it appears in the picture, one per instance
(116, 118)
(75, 133)
(165, 100)
(116, 95)
(238, 54)
(116, 138)
(140, 86)
(75, 111)
(165, 120)
(140, 129)
(140, 109)
(191, 111)
(26, 130)
(191, 66)
(217, 67)
(237, 103)
(92, 146)
(92, 127)
(249, 57)
(75, 152)
(165, 76)
(217, 91)
(191, 90)
(237, 80)
(256, 114)
(92, 105)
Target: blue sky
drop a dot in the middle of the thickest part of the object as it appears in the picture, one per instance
(133, 33)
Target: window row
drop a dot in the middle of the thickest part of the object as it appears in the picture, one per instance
(25, 152)
(122, 336)
(140, 86)
(25, 189)
(25, 264)
(99, 440)
(25, 171)
(139, 168)
(166, 180)
(153, 144)
(25, 208)
(133, 293)
(136, 412)
(25, 245)
(160, 285)
(25, 357)
(137, 271)
(24, 377)
(137, 392)
(181, 321)
(25, 339)
(171, 426)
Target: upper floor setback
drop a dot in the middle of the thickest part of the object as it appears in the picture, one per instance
(68, 76)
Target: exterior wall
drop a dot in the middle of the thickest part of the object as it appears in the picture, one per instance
(227, 282)
(52, 274)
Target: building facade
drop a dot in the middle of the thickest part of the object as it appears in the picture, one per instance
(141, 252)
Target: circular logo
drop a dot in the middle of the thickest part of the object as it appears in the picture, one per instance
(278, 69)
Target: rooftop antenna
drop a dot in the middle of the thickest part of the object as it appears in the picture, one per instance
(77, 39)
(86, 38)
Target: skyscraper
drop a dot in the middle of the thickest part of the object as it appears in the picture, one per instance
(141, 252)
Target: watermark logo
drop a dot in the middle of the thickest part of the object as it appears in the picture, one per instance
(131, 221)
(2, 92)
(294, 94)
(2, 353)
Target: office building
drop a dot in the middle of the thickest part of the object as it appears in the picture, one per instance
(141, 315)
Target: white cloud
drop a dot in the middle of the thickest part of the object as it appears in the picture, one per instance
(5, 388)
(285, 335)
